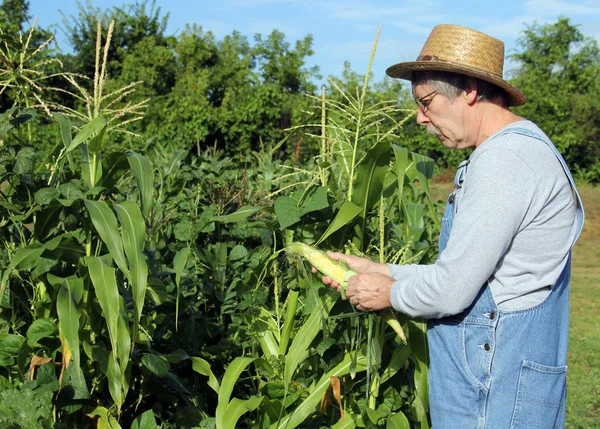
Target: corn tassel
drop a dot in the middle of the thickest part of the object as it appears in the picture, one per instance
(336, 270)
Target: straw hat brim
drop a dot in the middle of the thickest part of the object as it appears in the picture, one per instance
(404, 71)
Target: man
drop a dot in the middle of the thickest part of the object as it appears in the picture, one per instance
(497, 297)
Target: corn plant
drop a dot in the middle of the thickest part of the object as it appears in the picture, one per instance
(310, 344)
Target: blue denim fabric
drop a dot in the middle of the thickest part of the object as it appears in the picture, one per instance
(494, 369)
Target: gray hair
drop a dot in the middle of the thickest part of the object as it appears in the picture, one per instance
(452, 84)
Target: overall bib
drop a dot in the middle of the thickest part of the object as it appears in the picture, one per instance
(495, 369)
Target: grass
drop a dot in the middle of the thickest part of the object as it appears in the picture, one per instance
(583, 376)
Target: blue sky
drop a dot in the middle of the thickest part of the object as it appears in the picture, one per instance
(345, 30)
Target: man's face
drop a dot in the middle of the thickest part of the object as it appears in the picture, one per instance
(444, 118)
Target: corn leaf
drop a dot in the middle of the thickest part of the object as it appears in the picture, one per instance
(105, 285)
(307, 333)
(299, 415)
(179, 262)
(235, 409)
(240, 214)
(288, 321)
(399, 358)
(105, 222)
(201, 366)
(418, 337)
(89, 130)
(143, 173)
(69, 295)
(134, 231)
(400, 166)
(110, 367)
(224, 413)
(64, 124)
(123, 346)
(346, 214)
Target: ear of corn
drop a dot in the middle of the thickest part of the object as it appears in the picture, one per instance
(336, 270)
(391, 319)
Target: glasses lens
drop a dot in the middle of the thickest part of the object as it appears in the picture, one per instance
(423, 102)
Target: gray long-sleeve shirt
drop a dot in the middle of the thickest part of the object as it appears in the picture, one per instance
(513, 228)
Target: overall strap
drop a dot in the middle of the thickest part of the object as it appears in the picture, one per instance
(580, 214)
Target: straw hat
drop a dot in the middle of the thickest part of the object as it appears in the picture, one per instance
(461, 50)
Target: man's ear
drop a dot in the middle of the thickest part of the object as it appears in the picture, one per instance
(471, 92)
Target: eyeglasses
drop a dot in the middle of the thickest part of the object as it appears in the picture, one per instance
(423, 102)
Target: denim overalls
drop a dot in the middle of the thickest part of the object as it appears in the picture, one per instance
(497, 369)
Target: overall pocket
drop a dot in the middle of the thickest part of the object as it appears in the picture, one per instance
(540, 397)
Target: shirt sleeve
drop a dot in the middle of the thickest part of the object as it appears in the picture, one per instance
(497, 193)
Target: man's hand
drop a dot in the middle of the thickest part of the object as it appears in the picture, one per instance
(370, 289)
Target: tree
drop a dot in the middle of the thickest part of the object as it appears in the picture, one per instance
(559, 73)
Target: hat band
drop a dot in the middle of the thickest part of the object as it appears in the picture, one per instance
(428, 58)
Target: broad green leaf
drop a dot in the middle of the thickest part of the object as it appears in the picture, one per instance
(11, 343)
(105, 285)
(105, 419)
(179, 262)
(286, 210)
(241, 214)
(201, 366)
(397, 421)
(23, 255)
(315, 200)
(145, 421)
(105, 222)
(134, 232)
(141, 168)
(89, 130)
(177, 356)
(307, 333)
(45, 196)
(376, 416)
(156, 363)
(347, 213)
(40, 328)
(357, 363)
(350, 421)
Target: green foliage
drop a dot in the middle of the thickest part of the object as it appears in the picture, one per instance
(29, 406)
(559, 73)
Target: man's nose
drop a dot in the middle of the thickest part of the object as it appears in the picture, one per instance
(422, 118)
